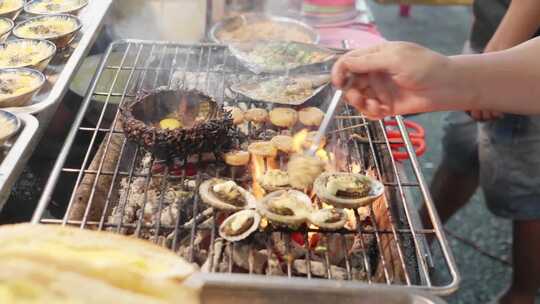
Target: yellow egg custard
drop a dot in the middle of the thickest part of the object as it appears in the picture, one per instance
(15, 83)
(46, 27)
(5, 25)
(7, 6)
(20, 53)
(55, 6)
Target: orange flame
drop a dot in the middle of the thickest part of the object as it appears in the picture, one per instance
(298, 140)
(257, 170)
(355, 168)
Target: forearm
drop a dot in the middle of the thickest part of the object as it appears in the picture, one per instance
(506, 81)
(519, 24)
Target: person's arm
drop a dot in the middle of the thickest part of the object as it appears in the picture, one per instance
(520, 22)
(505, 81)
(404, 78)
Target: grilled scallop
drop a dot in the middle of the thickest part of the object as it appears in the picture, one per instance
(239, 225)
(328, 218)
(225, 195)
(283, 117)
(262, 148)
(275, 179)
(256, 115)
(237, 114)
(236, 158)
(347, 190)
(311, 116)
(283, 143)
(290, 207)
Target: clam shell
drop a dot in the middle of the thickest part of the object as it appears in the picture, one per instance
(301, 215)
(317, 218)
(209, 198)
(376, 191)
(251, 213)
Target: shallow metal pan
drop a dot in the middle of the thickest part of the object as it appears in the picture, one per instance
(246, 19)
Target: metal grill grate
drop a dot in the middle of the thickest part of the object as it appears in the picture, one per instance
(387, 244)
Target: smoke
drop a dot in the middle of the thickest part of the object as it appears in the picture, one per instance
(171, 20)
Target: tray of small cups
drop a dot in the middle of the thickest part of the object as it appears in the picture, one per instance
(31, 35)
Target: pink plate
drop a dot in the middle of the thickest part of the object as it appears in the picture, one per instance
(357, 38)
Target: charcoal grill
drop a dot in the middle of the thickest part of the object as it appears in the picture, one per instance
(391, 248)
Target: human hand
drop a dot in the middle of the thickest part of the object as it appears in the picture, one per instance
(483, 115)
(398, 78)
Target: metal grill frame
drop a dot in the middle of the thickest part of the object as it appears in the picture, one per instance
(378, 146)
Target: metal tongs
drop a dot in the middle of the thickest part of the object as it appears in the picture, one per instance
(329, 113)
(328, 118)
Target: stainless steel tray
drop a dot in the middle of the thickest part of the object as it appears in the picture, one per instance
(239, 289)
(247, 19)
(12, 164)
(66, 62)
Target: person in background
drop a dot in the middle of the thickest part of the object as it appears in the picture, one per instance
(403, 78)
(481, 148)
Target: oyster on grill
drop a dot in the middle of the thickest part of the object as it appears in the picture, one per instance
(290, 90)
(289, 207)
(329, 218)
(239, 225)
(279, 56)
(275, 179)
(226, 195)
(347, 190)
(177, 123)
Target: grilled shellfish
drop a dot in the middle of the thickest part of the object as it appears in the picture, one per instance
(290, 90)
(275, 179)
(239, 225)
(289, 207)
(279, 56)
(328, 218)
(225, 195)
(347, 190)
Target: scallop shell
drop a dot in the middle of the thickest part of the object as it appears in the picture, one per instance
(376, 191)
(270, 187)
(301, 213)
(319, 217)
(233, 238)
(209, 198)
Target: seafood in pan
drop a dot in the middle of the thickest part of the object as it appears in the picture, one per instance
(279, 56)
(239, 225)
(347, 190)
(293, 90)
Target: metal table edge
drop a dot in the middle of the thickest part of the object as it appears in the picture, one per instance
(13, 164)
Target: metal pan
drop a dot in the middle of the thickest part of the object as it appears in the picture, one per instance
(281, 56)
(251, 88)
(233, 23)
